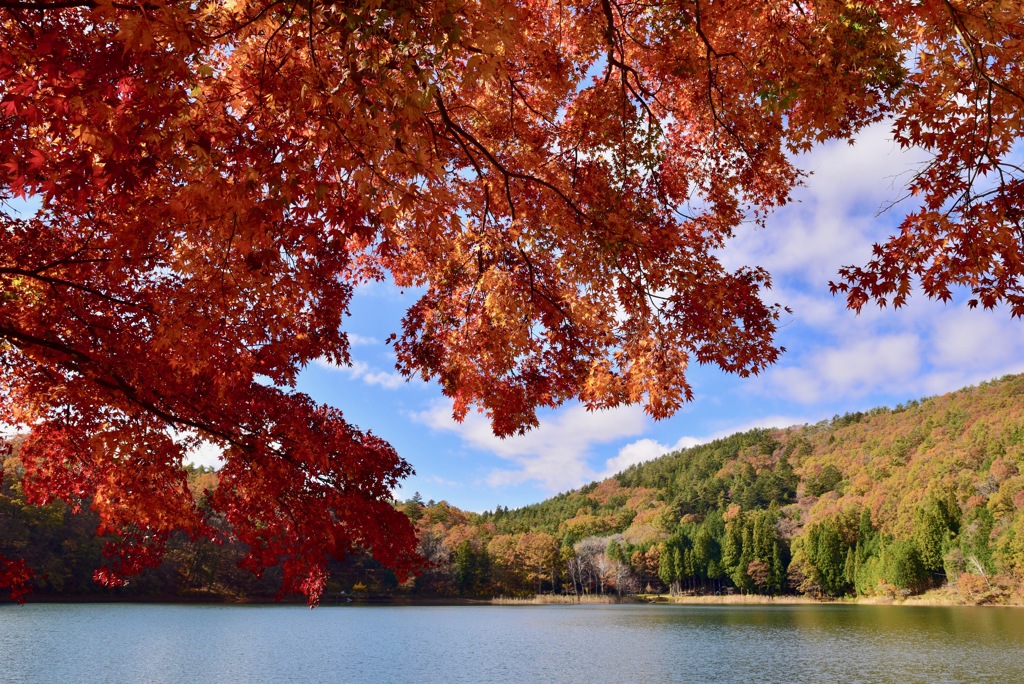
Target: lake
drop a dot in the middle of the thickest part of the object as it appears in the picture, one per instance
(87, 643)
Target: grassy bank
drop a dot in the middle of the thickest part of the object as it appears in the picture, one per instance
(937, 597)
(564, 599)
(727, 599)
(610, 599)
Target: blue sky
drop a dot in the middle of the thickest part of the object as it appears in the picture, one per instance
(836, 361)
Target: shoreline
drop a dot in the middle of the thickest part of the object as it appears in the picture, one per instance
(934, 598)
(657, 599)
(927, 600)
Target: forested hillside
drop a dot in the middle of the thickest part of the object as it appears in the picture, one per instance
(892, 501)
(888, 502)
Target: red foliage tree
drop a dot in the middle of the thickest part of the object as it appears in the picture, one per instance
(214, 178)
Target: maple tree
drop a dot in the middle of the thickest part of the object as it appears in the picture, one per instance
(214, 177)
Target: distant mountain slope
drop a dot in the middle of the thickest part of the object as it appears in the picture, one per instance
(907, 498)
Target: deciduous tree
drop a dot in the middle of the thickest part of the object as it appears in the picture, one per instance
(213, 178)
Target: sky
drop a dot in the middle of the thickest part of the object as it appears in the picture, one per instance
(836, 361)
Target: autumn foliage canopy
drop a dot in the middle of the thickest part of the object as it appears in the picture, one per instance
(214, 178)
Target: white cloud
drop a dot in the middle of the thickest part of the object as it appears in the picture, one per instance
(815, 309)
(854, 369)
(958, 339)
(371, 376)
(643, 450)
(925, 349)
(763, 422)
(811, 243)
(835, 217)
(357, 340)
(648, 449)
(359, 370)
(555, 454)
(968, 346)
(869, 174)
(833, 354)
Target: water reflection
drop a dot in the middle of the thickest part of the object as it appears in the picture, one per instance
(831, 643)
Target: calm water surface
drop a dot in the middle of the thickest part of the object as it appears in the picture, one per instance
(441, 644)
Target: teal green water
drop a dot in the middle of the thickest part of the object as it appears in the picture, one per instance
(591, 644)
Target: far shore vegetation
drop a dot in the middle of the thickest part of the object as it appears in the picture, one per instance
(920, 504)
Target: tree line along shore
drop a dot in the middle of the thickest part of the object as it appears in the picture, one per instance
(922, 503)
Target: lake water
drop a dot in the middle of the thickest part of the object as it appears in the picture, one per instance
(427, 644)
